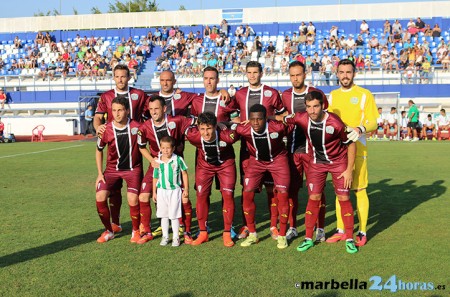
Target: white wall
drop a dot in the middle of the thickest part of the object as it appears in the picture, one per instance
(53, 125)
(214, 16)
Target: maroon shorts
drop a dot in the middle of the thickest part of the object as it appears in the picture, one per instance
(243, 164)
(205, 173)
(147, 181)
(316, 177)
(298, 164)
(256, 171)
(114, 178)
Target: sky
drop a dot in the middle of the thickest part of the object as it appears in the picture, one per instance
(27, 8)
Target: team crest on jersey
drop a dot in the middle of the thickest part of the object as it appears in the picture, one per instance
(134, 97)
(268, 93)
(222, 103)
(177, 96)
(329, 129)
(273, 135)
(222, 143)
(134, 131)
(233, 127)
(172, 125)
(354, 100)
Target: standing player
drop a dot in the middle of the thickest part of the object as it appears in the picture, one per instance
(264, 139)
(167, 189)
(357, 109)
(246, 97)
(137, 102)
(297, 146)
(328, 139)
(151, 132)
(124, 163)
(413, 121)
(211, 101)
(215, 158)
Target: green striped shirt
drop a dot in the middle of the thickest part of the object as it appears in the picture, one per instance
(169, 174)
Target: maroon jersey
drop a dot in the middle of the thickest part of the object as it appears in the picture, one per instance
(294, 102)
(215, 152)
(177, 104)
(328, 138)
(173, 126)
(216, 105)
(137, 98)
(266, 145)
(123, 150)
(265, 95)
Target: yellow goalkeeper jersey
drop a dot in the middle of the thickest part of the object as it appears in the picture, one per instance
(356, 107)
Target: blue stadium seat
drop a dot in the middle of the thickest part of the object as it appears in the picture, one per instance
(259, 33)
(437, 39)
(228, 66)
(266, 33)
(289, 33)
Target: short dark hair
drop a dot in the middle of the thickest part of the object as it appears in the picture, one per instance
(347, 62)
(254, 64)
(393, 108)
(314, 95)
(167, 139)
(429, 115)
(211, 68)
(443, 110)
(122, 101)
(403, 112)
(122, 67)
(158, 98)
(410, 101)
(258, 108)
(207, 118)
(297, 64)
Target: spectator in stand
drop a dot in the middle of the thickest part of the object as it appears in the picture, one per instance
(397, 37)
(428, 128)
(396, 27)
(411, 26)
(441, 54)
(350, 43)
(360, 63)
(43, 70)
(315, 69)
(132, 64)
(284, 66)
(239, 32)
(382, 41)
(268, 63)
(334, 31)
(259, 47)
(249, 31)
(224, 27)
(89, 117)
(373, 42)
(359, 43)
(311, 29)
(387, 28)
(270, 47)
(446, 62)
(364, 28)
(436, 32)
(427, 30)
(420, 25)
(303, 28)
(17, 42)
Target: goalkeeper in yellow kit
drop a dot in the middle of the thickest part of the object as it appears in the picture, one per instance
(357, 109)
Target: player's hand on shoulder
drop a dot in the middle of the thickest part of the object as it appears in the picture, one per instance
(225, 96)
(155, 163)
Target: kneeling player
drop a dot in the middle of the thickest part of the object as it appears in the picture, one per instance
(327, 136)
(215, 157)
(124, 163)
(264, 139)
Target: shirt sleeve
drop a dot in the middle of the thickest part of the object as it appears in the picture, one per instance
(156, 173)
(370, 113)
(101, 142)
(101, 106)
(183, 165)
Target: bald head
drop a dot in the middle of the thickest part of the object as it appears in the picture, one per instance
(167, 81)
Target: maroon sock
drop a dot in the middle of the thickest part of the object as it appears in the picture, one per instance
(249, 210)
(227, 210)
(321, 219)
(347, 217)
(134, 214)
(293, 208)
(273, 208)
(146, 214)
(115, 203)
(187, 215)
(244, 220)
(103, 213)
(311, 214)
(202, 209)
(283, 209)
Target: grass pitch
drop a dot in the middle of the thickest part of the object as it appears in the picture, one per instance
(49, 226)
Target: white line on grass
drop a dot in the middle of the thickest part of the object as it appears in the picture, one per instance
(38, 152)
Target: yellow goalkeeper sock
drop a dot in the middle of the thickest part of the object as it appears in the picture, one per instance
(362, 205)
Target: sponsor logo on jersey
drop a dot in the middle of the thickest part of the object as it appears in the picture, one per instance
(329, 129)
(134, 97)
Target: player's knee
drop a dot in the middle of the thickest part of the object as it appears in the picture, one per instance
(101, 196)
(133, 199)
(144, 197)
